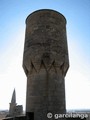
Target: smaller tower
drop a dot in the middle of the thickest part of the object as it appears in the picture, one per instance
(13, 100)
(12, 104)
(14, 109)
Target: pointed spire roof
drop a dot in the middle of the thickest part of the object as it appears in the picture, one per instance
(13, 100)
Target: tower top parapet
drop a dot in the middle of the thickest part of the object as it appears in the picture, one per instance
(46, 11)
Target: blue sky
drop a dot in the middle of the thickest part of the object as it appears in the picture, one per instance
(12, 33)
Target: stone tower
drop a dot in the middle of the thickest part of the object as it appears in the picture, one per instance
(45, 62)
(12, 104)
(14, 110)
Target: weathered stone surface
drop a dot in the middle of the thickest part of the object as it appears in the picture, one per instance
(45, 62)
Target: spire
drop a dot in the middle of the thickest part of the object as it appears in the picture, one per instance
(13, 100)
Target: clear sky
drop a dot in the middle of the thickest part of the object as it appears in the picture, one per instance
(12, 33)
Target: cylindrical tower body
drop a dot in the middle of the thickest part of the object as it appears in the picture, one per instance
(45, 63)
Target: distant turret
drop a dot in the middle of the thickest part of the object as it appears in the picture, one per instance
(14, 110)
(12, 104)
(13, 100)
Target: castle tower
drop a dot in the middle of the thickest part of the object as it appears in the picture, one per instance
(45, 62)
(14, 110)
(12, 104)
